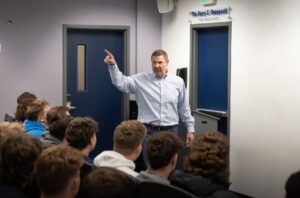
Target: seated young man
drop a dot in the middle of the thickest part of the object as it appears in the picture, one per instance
(23, 101)
(36, 122)
(206, 172)
(57, 112)
(107, 182)
(81, 134)
(18, 154)
(292, 186)
(128, 137)
(57, 172)
(56, 133)
(162, 151)
(58, 119)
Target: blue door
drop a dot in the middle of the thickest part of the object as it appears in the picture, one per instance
(213, 73)
(88, 81)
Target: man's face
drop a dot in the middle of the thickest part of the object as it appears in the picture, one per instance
(42, 118)
(159, 65)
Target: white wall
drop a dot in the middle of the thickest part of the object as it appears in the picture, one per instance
(32, 47)
(265, 96)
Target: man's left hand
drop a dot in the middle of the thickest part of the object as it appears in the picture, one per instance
(189, 138)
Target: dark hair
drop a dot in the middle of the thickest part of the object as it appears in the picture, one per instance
(55, 167)
(18, 154)
(107, 182)
(161, 147)
(23, 101)
(209, 157)
(292, 185)
(128, 135)
(55, 113)
(80, 132)
(35, 109)
(58, 127)
(160, 52)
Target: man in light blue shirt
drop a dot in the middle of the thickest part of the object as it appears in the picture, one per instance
(160, 96)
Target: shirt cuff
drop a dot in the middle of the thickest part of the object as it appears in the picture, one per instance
(113, 67)
(190, 129)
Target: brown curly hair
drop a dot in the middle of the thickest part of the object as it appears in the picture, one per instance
(18, 154)
(56, 113)
(128, 135)
(55, 167)
(80, 132)
(161, 147)
(35, 109)
(23, 101)
(208, 157)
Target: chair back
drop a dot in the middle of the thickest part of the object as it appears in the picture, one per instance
(8, 118)
(149, 189)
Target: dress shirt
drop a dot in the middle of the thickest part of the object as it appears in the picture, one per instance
(160, 100)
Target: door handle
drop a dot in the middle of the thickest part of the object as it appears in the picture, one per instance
(69, 103)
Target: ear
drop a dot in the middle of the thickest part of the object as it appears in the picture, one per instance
(75, 184)
(173, 161)
(138, 149)
(42, 119)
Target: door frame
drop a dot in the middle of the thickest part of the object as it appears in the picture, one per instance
(126, 36)
(194, 63)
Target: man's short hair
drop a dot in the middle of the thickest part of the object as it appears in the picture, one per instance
(107, 182)
(80, 132)
(161, 147)
(55, 113)
(55, 167)
(23, 101)
(11, 127)
(292, 185)
(128, 136)
(18, 154)
(160, 52)
(36, 109)
(209, 157)
(58, 128)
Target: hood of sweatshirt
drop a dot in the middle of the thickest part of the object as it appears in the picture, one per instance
(115, 160)
(34, 128)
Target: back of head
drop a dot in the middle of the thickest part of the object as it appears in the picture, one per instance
(25, 97)
(209, 157)
(10, 127)
(18, 154)
(55, 113)
(36, 109)
(56, 167)
(58, 127)
(128, 136)
(80, 132)
(7, 130)
(292, 185)
(161, 147)
(23, 101)
(106, 182)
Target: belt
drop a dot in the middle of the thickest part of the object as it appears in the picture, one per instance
(160, 128)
